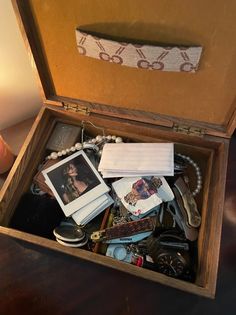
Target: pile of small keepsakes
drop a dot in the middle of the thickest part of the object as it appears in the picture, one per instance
(148, 221)
(160, 236)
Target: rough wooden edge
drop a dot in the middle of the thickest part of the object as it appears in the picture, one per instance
(108, 262)
(21, 154)
(139, 115)
(214, 220)
(217, 220)
(18, 180)
(232, 123)
(202, 257)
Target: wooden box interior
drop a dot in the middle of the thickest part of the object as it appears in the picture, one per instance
(210, 153)
(132, 103)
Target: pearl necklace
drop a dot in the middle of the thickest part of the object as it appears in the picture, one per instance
(90, 144)
(197, 170)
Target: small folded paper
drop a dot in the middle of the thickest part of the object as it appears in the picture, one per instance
(137, 159)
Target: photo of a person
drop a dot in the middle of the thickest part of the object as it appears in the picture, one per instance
(73, 179)
(143, 189)
(75, 182)
(73, 187)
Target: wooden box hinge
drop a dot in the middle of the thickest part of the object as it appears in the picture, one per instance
(188, 130)
(76, 108)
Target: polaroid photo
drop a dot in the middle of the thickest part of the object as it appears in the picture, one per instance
(141, 194)
(74, 182)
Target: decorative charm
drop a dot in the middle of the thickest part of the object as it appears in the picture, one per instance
(163, 58)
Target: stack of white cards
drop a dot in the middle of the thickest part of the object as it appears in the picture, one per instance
(94, 208)
(137, 159)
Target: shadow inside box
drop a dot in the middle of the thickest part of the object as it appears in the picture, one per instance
(37, 215)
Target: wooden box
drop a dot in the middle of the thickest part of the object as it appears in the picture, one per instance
(195, 111)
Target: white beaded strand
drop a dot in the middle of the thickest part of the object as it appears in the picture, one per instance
(197, 170)
(91, 144)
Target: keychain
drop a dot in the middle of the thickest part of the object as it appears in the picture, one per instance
(125, 229)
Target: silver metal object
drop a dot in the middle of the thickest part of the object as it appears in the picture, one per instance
(69, 233)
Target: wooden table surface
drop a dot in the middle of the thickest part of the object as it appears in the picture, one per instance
(39, 281)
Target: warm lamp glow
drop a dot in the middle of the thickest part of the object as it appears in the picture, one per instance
(6, 157)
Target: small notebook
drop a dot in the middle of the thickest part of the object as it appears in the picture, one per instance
(137, 159)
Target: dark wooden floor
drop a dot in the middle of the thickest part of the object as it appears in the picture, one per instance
(37, 281)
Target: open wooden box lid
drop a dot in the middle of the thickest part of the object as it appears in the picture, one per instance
(205, 99)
